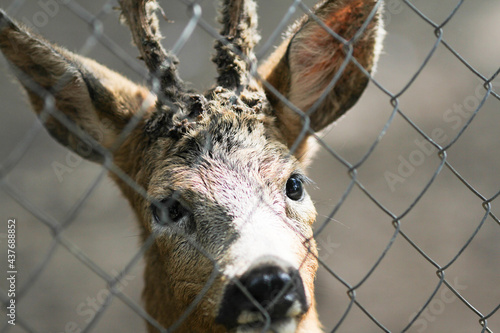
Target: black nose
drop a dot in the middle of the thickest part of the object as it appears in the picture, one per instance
(280, 293)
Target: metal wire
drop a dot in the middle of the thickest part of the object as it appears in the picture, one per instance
(354, 289)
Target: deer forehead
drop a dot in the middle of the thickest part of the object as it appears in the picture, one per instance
(225, 153)
(229, 170)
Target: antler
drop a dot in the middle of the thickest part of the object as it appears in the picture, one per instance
(239, 32)
(143, 22)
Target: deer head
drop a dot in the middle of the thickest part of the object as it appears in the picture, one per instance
(221, 174)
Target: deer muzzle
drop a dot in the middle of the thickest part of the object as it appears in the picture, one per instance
(265, 298)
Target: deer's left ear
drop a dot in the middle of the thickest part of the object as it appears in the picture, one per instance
(303, 67)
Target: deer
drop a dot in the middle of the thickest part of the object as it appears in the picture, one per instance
(220, 181)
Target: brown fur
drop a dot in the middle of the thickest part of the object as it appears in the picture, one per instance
(226, 152)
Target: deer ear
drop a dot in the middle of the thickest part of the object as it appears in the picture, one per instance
(88, 95)
(305, 67)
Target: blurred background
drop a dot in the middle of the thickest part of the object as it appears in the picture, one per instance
(64, 294)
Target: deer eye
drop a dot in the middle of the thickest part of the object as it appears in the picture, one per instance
(294, 188)
(169, 211)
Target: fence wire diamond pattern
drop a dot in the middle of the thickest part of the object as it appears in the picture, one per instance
(406, 184)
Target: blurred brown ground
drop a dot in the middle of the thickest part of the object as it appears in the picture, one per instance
(60, 299)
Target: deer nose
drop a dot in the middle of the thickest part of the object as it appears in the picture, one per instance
(279, 293)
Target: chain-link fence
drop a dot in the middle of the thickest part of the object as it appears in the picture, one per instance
(406, 183)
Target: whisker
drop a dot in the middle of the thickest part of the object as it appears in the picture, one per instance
(334, 220)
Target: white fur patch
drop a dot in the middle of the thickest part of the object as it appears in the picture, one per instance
(287, 326)
(264, 237)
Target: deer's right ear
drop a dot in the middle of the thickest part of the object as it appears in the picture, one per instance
(306, 64)
(94, 98)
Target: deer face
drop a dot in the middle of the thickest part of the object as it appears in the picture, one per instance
(217, 179)
(225, 190)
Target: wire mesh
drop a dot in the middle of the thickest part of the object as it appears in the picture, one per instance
(406, 183)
